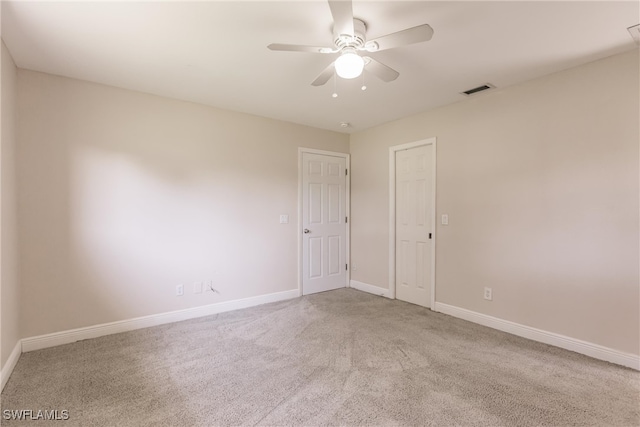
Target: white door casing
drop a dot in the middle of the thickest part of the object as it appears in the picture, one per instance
(412, 222)
(324, 255)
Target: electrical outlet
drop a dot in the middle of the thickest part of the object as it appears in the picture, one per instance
(488, 294)
(354, 266)
(180, 290)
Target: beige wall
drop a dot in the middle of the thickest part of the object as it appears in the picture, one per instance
(9, 291)
(123, 196)
(540, 182)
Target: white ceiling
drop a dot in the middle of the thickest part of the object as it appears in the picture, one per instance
(215, 53)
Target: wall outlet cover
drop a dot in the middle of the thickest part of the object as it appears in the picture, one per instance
(197, 288)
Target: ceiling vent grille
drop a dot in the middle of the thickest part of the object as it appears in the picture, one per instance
(475, 90)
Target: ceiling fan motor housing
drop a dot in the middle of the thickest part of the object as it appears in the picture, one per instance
(356, 41)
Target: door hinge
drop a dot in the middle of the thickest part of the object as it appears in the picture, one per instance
(429, 235)
(346, 171)
(346, 219)
(346, 267)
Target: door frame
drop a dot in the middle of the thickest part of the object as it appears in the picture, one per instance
(392, 215)
(347, 196)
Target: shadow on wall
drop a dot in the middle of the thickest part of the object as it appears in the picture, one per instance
(127, 196)
(135, 235)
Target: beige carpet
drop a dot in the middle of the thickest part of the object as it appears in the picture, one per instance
(337, 358)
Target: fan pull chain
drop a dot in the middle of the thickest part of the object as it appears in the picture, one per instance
(335, 85)
(364, 86)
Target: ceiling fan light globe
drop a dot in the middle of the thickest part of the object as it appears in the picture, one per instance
(349, 65)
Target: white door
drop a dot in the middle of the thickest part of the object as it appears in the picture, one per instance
(413, 224)
(324, 228)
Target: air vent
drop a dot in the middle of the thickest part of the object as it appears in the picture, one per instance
(475, 90)
(635, 32)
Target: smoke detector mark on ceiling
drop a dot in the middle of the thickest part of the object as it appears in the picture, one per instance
(635, 33)
(475, 90)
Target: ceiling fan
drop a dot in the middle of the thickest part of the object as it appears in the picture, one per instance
(349, 39)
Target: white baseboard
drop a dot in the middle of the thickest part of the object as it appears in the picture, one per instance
(583, 347)
(73, 335)
(7, 369)
(69, 336)
(372, 289)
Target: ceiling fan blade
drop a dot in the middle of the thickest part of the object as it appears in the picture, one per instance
(384, 73)
(300, 48)
(324, 76)
(342, 12)
(421, 33)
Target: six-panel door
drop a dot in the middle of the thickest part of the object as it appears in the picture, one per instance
(413, 224)
(324, 225)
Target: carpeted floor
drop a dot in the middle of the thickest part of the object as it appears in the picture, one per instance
(336, 358)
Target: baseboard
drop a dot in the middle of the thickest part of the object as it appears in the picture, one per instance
(66, 337)
(583, 347)
(7, 369)
(73, 335)
(372, 289)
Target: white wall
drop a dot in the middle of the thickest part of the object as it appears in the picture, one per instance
(9, 291)
(123, 196)
(540, 182)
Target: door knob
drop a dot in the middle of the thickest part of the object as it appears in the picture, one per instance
(307, 231)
